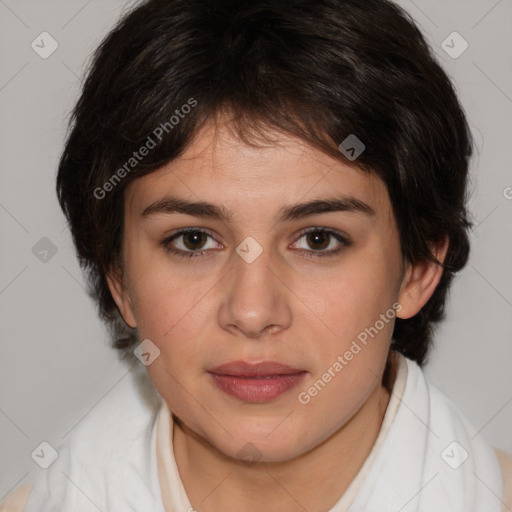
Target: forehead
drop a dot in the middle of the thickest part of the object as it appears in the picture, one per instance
(219, 167)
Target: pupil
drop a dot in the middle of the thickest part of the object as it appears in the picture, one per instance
(197, 237)
(316, 237)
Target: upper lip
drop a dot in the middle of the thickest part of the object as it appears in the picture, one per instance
(261, 369)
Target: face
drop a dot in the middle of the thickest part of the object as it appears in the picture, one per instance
(261, 278)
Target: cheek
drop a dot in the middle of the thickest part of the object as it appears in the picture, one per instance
(357, 316)
(170, 309)
(161, 294)
(171, 314)
(357, 295)
(176, 312)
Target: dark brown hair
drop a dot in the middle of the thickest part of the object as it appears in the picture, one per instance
(320, 70)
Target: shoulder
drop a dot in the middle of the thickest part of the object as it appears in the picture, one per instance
(119, 423)
(505, 460)
(113, 437)
(16, 501)
(457, 451)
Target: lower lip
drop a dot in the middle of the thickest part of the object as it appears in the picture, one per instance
(257, 390)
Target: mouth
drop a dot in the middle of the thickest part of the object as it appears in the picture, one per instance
(256, 382)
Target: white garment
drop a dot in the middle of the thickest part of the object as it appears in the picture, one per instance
(421, 465)
(109, 462)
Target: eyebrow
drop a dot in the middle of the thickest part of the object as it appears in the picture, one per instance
(169, 205)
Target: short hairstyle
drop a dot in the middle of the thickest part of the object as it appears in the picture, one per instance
(320, 70)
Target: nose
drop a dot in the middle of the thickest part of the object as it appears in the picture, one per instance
(256, 302)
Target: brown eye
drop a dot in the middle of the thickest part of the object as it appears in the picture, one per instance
(194, 240)
(190, 243)
(321, 242)
(318, 239)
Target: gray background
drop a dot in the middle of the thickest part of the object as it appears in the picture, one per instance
(55, 362)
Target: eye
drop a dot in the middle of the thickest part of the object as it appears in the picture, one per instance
(192, 243)
(324, 242)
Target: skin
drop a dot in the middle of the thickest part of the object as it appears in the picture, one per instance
(285, 306)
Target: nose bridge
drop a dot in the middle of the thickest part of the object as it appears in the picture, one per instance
(255, 298)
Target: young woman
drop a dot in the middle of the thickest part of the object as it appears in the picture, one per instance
(269, 199)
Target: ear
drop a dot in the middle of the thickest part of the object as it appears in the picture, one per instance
(121, 296)
(420, 281)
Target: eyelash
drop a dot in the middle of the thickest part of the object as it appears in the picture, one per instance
(311, 254)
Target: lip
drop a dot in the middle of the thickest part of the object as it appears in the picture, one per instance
(256, 382)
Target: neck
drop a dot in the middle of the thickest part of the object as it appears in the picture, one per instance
(315, 480)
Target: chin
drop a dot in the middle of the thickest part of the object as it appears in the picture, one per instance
(252, 447)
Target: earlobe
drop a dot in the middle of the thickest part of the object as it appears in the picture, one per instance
(420, 281)
(121, 297)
